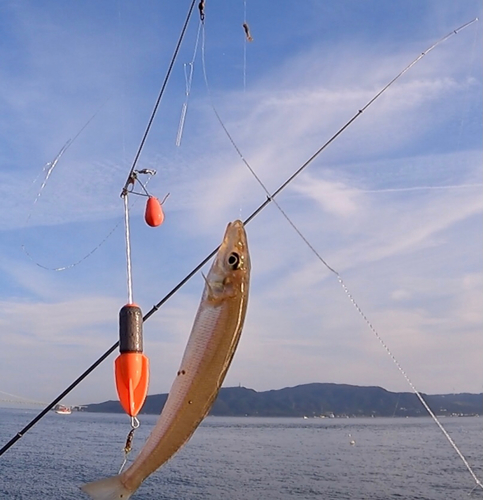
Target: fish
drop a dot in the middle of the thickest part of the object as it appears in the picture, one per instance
(208, 354)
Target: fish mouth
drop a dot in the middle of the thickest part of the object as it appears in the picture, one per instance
(235, 236)
(236, 224)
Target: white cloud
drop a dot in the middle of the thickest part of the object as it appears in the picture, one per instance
(336, 198)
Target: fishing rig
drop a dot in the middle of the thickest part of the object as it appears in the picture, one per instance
(131, 318)
(131, 367)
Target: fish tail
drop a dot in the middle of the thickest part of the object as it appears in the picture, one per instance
(110, 488)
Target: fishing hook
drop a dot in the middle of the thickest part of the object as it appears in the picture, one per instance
(129, 439)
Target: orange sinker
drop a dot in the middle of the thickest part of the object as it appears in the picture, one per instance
(131, 366)
(154, 215)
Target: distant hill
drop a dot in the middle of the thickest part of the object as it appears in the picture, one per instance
(319, 399)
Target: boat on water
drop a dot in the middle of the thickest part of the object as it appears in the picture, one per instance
(63, 410)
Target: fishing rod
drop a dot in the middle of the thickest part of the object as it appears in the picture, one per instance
(267, 201)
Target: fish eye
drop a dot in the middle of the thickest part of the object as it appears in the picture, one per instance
(234, 260)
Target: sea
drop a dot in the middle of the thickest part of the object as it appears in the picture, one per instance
(248, 458)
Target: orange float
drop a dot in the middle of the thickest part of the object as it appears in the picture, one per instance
(154, 215)
(131, 366)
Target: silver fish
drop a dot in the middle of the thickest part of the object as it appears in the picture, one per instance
(207, 357)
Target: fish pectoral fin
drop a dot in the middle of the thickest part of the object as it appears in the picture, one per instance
(211, 290)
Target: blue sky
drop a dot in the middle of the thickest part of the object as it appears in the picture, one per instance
(394, 204)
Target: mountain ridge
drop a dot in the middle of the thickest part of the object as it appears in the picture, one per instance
(320, 400)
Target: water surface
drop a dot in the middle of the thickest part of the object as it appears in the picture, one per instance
(248, 458)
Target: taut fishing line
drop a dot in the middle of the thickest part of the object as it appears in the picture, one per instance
(128, 250)
(270, 198)
(132, 176)
(245, 46)
(319, 257)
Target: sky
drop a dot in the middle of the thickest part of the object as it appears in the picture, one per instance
(394, 204)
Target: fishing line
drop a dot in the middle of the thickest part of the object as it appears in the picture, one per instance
(48, 169)
(188, 75)
(76, 263)
(248, 38)
(194, 271)
(252, 171)
(132, 177)
(49, 166)
(339, 277)
(108, 235)
(465, 108)
(245, 46)
(127, 232)
(128, 249)
(409, 382)
(121, 53)
(161, 93)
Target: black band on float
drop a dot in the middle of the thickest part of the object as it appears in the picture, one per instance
(130, 329)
